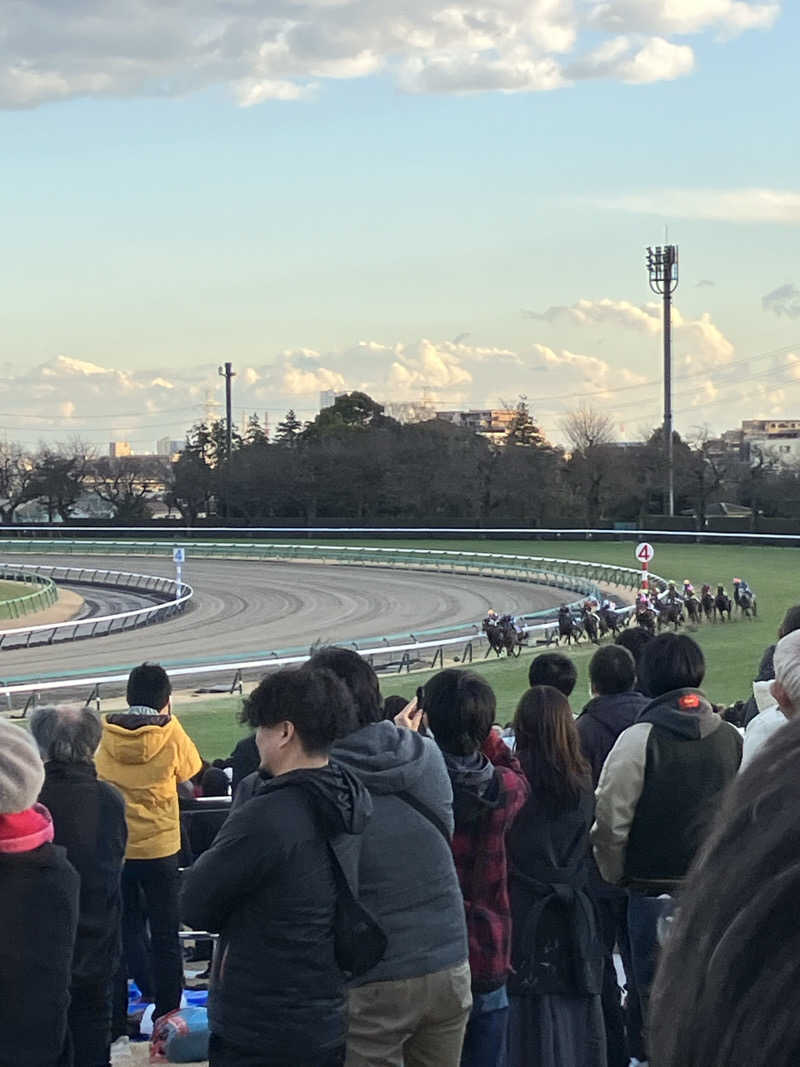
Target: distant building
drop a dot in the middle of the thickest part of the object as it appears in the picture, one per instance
(169, 446)
(327, 398)
(772, 443)
(406, 411)
(492, 423)
(118, 449)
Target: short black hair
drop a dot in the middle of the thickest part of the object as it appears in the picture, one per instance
(671, 661)
(313, 699)
(358, 676)
(634, 640)
(612, 670)
(393, 705)
(149, 686)
(555, 669)
(791, 621)
(460, 706)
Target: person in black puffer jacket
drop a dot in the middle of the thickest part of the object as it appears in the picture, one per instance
(89, 821)
(267, 885)
(39, 905)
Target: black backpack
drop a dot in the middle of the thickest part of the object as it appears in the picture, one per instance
(359, 941)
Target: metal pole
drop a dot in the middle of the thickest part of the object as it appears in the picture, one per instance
(228, 411)
(668, 394)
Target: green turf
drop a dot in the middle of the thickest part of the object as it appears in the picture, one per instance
(11, 590)
(732, 651)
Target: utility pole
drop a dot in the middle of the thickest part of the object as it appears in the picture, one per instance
(662, 268)
(228, 373)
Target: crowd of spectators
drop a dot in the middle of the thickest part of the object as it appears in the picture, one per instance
(406, 883)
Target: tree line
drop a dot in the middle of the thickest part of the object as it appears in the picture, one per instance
(353, 462)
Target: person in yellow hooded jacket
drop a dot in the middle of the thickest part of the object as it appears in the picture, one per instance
(146, 754)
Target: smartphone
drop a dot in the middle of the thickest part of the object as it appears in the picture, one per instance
(420, 697)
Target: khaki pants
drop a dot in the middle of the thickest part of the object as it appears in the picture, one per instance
(412, 1022)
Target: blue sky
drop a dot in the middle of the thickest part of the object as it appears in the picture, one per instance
(390, 231)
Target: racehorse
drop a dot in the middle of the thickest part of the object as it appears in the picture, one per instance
(693, 609)
(745, 599)
(646, 617)
(502, 636)
(591, 622)
(707, 602)
(568, 625)
(609, 622)
(671, 614)
(722, 604)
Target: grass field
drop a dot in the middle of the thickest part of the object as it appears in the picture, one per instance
(732, 651)
(10, 590)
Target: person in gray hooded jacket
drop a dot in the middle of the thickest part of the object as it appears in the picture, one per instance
(411, 1010)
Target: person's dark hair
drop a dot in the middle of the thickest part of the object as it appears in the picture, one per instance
(791, 621)
(67, 734)
(460, 706)
(149, 686)
(612, 670)
(634, 639)
(548, 745)
(553, 668)
(671, 661)
(215, 783)
(393, 705)
(313, 699)
(358, 676)
(726, 988)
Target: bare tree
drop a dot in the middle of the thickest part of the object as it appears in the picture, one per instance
(586, 428)
(16, 475)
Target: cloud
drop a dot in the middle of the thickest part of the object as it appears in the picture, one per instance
(635, 62)
(785, 300)
(592, 372)
(705, 283)
(721, 205)
(699, 343)
(287, 49)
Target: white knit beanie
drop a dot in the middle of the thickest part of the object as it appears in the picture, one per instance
(21, 769)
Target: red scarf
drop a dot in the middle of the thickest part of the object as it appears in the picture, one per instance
(25, 830)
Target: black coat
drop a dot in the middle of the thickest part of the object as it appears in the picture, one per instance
(244, 759)
(39, 909)
(267, 886)
(602, 721)
(89, 822)
(555, 946)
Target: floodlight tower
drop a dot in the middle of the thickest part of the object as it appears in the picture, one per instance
(662, 268)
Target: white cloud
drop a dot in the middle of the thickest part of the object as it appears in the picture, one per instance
(284, 49)
(785, 300)
(587, 371)
(724, 205)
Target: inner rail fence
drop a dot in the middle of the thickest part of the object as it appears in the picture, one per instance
(576, 575)
(176, 598)
(42, 595)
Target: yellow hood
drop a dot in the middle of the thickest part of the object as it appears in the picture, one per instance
(136, 746)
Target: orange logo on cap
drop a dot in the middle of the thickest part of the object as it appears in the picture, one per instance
(689, 700)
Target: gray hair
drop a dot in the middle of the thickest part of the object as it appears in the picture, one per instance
(787, 666)
(67, 733)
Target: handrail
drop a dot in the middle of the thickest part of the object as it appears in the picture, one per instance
(88, 627)
(535, 532)
(27, 603)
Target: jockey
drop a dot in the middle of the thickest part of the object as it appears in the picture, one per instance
(671, 594)
(688, 588)
(743, 586)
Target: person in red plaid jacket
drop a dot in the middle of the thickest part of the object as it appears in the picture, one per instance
(489, 788)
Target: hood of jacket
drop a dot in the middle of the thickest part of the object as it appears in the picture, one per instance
(341, 803)
(137, 745)
(685, 712)
(387, 758)
(476, 788)
(617, 711)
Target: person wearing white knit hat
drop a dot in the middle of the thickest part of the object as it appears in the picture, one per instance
(39, 902)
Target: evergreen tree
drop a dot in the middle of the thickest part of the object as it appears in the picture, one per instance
(288, 431)
(522, 429)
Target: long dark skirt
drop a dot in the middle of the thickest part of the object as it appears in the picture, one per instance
(556, 1031)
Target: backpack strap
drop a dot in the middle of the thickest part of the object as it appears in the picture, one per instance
(433, 818)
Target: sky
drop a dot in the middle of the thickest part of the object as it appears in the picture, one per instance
(418, 198)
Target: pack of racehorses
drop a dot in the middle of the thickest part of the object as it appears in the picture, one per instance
(658, 610)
